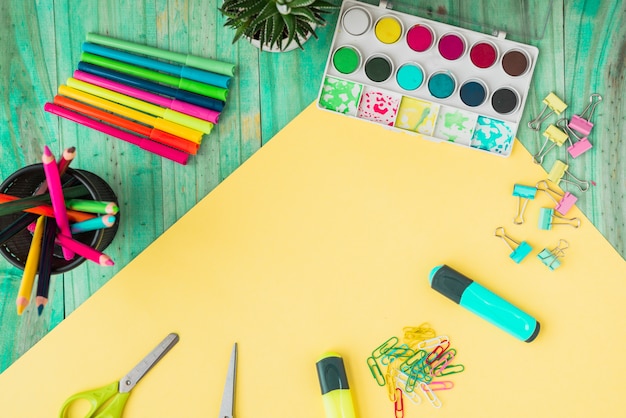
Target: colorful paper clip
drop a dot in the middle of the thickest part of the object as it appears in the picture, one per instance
(441, 385)
(398, 404)
(430, 395)
(547, 220)
(551, 102)
(581, 145)
(566, 201)
(581, 123)
(524, 194)
(559, 169)
(551, 257)
(520, 250)
(554, 135)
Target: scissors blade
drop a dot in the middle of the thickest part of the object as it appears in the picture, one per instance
(228, 398)
(130, 380)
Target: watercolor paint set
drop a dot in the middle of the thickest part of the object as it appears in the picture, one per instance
(420, 76)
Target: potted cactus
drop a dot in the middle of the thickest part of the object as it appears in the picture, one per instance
(275, 25)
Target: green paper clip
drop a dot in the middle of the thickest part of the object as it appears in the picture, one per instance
(551, 257)
(524, 194)
(547, 218)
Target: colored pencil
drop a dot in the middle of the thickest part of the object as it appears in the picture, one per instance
(84, 250)
(183, 71)
(157, 135)
(64, 163)
(56, 196)
(167, 114)
(181, 83)
(190, 60)
(16, 226)
(30, 268)
(45, 264)
(23, 203)
(173, 128)
(144, 143)
(46, 210)
(92, 206)
(100, 222)
(140, 83)
(186, 108)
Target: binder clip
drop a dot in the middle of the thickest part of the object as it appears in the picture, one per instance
(554, 135)
(581, 145)
(581, 123)
(551, 257)
(565, 202)
(521, 249)
(559, 169)
(547, 219)
(524, 194)
(551, 102)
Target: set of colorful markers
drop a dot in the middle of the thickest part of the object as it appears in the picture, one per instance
(54, 224)
(161, 101)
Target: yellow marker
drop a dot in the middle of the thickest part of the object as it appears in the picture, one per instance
(189, 134)
(388, 30)
(30, 268)
(165, 113)
(334, 384)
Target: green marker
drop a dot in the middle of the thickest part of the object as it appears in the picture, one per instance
(334, 384)
(191, 60)
(208, 90)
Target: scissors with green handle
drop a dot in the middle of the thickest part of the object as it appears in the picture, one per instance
(108, 401)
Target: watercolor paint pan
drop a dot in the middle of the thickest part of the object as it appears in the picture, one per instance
(425, 77)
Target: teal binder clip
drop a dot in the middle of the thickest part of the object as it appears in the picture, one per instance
(551, 257)
(520, 249)
(547, 219)
(524, 194)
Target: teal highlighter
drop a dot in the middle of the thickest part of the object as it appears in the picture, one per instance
(334, 384)
(484, 303)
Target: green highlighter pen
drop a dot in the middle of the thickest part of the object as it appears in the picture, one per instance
(334, 384)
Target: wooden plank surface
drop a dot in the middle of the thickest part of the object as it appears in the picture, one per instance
(583, 51)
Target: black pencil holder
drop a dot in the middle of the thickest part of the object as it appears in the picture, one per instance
(23, 183)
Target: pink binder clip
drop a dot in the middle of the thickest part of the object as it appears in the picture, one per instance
(577, 148)
(580, 123)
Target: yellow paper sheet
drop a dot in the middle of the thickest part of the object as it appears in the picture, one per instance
(322, 241)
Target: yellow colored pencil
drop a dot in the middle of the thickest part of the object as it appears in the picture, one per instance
(30, 269)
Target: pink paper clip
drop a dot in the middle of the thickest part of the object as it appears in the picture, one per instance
(566, 201)
(579, 147)
(441, 385)
(581, 123)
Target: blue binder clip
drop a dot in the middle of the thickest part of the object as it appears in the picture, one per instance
(521, 249)
(524, 194)
(551, 257)
(547, 219)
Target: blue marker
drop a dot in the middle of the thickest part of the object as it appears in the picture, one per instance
(140, 83)
(484, 303)
(183, 71)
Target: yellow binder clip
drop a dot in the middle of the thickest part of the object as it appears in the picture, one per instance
(554, 135)
(559, 170)
(554, 104)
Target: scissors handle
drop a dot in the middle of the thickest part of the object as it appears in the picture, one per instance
(96, 399)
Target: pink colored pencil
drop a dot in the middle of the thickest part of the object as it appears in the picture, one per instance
(143, 143)
(56, 197)
(84, 250)
(182, 107)
(64, 163)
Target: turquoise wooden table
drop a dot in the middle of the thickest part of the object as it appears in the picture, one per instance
(582, 51)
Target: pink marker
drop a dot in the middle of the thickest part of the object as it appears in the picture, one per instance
(84, 250)
(56, 197)
(179, 106)
(143, 143)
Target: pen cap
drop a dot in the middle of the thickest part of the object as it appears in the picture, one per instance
(23, 183)
(334, 386)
